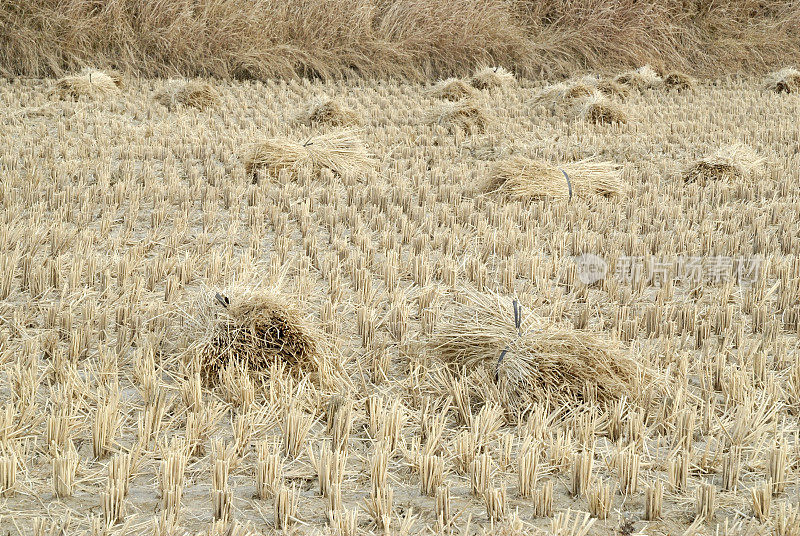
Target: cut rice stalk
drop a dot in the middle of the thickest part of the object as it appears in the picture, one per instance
(678, 80)
(329, 112)
(600, 110)
(734, 162)
(520, 178)
(466, 115)
(195, 94)
(644, 77)
(491, 77)
(341, 152)
(452, 89)
(564, 92)
(542, 361)
(787, 80)
(89, 82)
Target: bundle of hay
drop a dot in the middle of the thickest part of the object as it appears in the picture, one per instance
(678, 80)
(466, 115)
(600, 110)
(610, 88)
(341, 152)
(255, 330)
(564, 92)
(452, 89)
(520, 178)
(787, 80)
(734, 162)
(89, 82)
(195, 94)
(642, 78)
(491, 77)
(543, 360)
(329, 112)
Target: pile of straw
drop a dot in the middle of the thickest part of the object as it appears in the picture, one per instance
(564, 92)
(544, 360)
(642, 78)
(491, 77)
(89, 82)
(600, 110)
(734, 162)
(195, 94)
(520, 178)
(452, 89)
(466, 115)
(678, 80)
(610, 88)
(330, 112)
(341, 152)
(787, 80)
(255, 330)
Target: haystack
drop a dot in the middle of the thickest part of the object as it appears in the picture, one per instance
(600, 110)
(255, 330)
(520, 178)
(787, 80)
(466, 115)
(452, 89)
(542, 360)
(678, 80)
(89, 82)
(195, 94)
(342, 152)
(329, 112)
(491, 77)
(642, 78)
(734, 162)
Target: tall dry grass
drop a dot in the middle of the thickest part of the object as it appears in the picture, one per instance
(408, 38)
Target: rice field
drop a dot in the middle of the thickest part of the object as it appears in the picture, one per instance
(374, 307)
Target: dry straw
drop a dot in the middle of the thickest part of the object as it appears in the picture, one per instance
(787, 80)
(491, 77)
(678, 80)
(341, 152)
(543, 361)
(730, 163)
(89, 82)
(452, 89)
(600, 110)
(329, 112)
(196, 94)
(465, 115)
(644, 77)
(565, 93)
(610, 88)
(520, 178)
(254, 329)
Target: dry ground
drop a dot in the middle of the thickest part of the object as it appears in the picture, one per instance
(120, 218)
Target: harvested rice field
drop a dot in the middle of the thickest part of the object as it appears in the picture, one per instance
(488, 306)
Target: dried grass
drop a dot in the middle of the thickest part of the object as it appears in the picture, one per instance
(564, 93)
(89, 82)
(600, 110)
(644, 77)
(452, 89)
(678, 80)
(492, 77)
(256, 331)
(466, 115)
(730, 163)
(342, 152)
(521, 178)
(547, 361)
(610, 88)
(196, 94)
(787, 80)
(330, 112)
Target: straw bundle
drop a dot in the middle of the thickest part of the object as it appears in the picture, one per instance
(564, 92)
(610, 88)
(734, 162)
(601, 110)
(89, 82)
(329, 112)
(787, 80)
(452, 89)
(465, 115)
(491, 77)
(543, 360)
(518, 177)
(678, 80)
(194, 94)
(254, 330)
(642, 78)
(341, 152)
